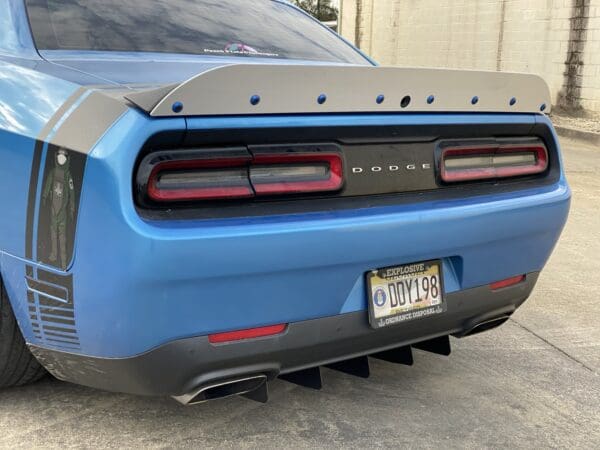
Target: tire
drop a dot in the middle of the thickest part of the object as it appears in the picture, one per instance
(17, 365)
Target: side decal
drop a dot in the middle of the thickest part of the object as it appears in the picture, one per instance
(35, 169)
(59, 206)
(72, 140)
(56, 181)
(51, 309)
(44, 310)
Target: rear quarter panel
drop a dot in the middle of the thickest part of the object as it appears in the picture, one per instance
(29, 101)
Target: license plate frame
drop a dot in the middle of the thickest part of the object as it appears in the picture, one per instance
(381, 297)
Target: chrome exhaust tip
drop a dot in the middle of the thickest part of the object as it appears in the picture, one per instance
(487, 325)
(222, 389)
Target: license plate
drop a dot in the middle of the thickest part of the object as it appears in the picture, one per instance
(402, 293)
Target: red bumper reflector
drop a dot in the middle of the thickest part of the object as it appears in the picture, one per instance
(252, 333)
(507, 283)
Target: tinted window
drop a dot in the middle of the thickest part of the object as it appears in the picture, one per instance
(263, 28)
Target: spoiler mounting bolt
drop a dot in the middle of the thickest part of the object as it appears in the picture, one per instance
(177, 107)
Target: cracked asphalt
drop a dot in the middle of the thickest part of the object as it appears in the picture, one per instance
(533, 383)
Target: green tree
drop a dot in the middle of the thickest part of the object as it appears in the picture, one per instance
(323, 10)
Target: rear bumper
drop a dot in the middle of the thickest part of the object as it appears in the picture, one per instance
(180, 366)
(138, 283)
(163, 281)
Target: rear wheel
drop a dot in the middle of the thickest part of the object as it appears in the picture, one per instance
(17, 364)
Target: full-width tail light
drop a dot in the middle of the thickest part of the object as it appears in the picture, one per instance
(469, 163)
(181, 176)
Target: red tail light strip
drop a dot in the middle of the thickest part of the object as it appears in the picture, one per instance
(178, 195)
(488, 162)
(245, 177)
(198, 187)
(252, 333)
(331, 181)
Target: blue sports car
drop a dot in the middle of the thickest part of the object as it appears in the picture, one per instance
(200, 196)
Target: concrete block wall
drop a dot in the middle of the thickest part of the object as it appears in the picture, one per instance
(557, 39)
(590, 73)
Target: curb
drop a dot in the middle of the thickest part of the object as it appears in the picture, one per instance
(592, 138)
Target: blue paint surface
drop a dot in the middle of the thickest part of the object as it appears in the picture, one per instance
(15, 38)
(141, 283)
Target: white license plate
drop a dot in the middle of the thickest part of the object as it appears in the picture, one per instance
(402, 293)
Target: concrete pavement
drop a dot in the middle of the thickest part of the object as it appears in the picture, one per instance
(532, 383)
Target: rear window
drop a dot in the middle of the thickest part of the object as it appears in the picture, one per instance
(250, 28)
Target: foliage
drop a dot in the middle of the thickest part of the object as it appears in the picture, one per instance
(323, 10)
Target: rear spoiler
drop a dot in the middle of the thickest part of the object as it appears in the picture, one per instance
(253, 89)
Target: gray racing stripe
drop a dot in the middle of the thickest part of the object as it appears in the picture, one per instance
(87, 124)
(60, 113)
(35, 167)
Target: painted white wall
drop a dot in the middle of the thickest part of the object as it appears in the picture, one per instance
(509, 35)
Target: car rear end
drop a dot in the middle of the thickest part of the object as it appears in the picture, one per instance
(239, 222)
(190, 272)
